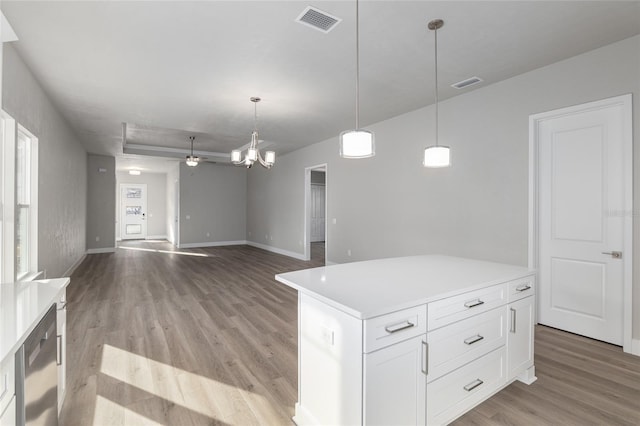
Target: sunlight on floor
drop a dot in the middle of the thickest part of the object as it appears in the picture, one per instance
(109, 413)
(196, 393)
(166, 251)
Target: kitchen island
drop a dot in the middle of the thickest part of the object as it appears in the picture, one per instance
(410, 340)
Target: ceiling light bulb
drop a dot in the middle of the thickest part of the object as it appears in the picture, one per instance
(357, 144)
(134, 172)
(437, 156)
(252, 154)
(270, 157)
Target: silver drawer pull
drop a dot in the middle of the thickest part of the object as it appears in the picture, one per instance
(474, 303)
(471, 386)
(399, 327)
(474, 339)
(425, 357)
(523, 287)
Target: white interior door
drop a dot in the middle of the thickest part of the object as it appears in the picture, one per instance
(133, 211)
(317, 213)
(583, 191)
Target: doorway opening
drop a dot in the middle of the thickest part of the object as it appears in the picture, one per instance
(315, 214)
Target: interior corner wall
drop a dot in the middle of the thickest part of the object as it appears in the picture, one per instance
(173, 204)
(389, 205)
(62, 168)
(101, 202)
(156, 214)
(213, 204)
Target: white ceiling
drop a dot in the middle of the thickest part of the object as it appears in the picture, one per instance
(170, 69)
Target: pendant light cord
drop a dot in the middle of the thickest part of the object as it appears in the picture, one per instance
(357, 65)
(255, 116)
(192, 138)
(435, 32)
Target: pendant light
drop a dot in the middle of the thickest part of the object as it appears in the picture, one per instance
(253, 153)
(357, 143)
(436, 155)
(192, 160)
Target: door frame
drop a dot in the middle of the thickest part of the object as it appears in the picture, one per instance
(307, 210)
(625, 101)
(121, 213)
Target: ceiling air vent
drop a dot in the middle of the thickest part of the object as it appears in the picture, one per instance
(466, 83)
(316, 18)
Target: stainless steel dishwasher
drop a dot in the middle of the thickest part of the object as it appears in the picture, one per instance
(37, 375)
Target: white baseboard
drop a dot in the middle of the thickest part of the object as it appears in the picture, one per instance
(635, 347)
(212, 244)
(101, 250)
(156, 237)
(329, 263)
(73, 267)
(272, 249)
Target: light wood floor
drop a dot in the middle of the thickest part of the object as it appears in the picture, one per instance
(208, 337)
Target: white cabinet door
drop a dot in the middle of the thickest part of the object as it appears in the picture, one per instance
(8, 416)
(520, 336)
(395, 385)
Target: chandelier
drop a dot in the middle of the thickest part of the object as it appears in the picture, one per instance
(253, 153)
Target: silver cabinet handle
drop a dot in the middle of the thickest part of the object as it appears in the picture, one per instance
(471, 386)
(614, 254)
(398, 327)
(523, 287)
(59, 351)
(473, 339)
(474, 303)
(425, 357)
(513, 320)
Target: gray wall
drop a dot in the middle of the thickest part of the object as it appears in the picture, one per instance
(173, 207)
(62, 169)
(390, 205)
(156, 213)
(214, 198)
(101, 202)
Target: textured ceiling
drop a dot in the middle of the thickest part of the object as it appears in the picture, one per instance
(170, 69)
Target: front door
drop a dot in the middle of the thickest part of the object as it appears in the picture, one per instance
(133, 211)
(583, 191)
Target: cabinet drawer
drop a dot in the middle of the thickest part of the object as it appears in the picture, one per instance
(519, 289)
(452, 309)
(7, 381)
(453, 394)
(395, 327)
(457, 344)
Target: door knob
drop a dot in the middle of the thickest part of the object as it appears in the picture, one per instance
(614, 254)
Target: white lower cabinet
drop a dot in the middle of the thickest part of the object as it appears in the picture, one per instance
(427, 364)
(61, 357)
(395, 384)
(520, 337)
(8, 416)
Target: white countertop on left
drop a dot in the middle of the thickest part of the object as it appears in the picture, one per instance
(22, 306)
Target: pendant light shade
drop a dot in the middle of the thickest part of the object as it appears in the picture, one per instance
(436, 155)
(192, 160)
(357, 143)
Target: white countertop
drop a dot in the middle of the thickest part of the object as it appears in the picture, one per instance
(22, 306)
(377, 287)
